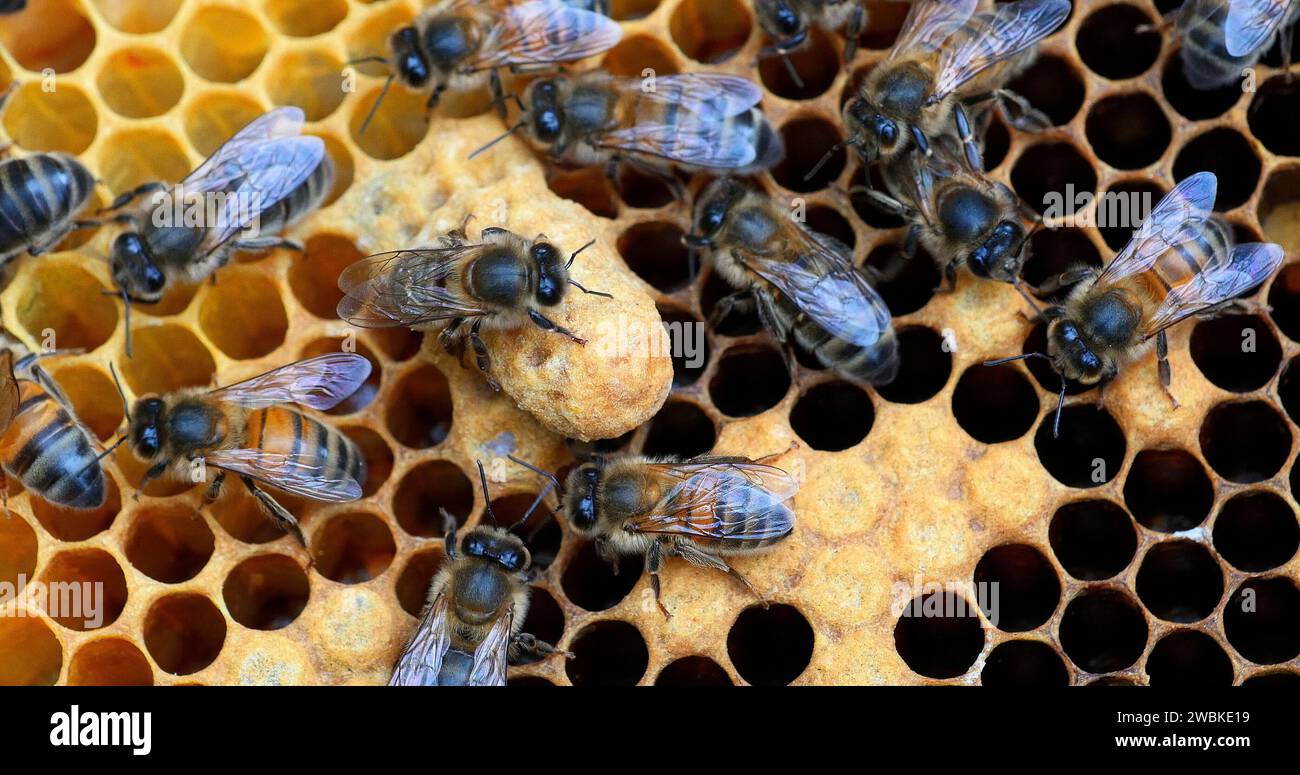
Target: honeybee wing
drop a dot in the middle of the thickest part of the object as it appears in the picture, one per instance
(405, 288)
(285, 473)
(1246, 266)
(1251, 23)
(540, 32)
(998, 35)
(822, 283)
(263, 163)
(720, 498)
(9, 394)
(929, 23)
(1176, 219)
(321, 383)
(421, 660)
(702, 103)
(491, 656)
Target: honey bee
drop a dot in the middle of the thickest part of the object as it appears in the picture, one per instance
(471, 628)
(945, 61)
(41, 443)
(957, 214)
(244, 429)
(803, 284)
(503, 281)
(702, 510)
(461, 44)
(697, 121)
(789, 24)
(1181, 262)
(267, 168)
(1221, 38)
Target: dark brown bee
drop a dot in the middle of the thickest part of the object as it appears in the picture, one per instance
(267, 170)
(702, 510)
(41, 443)
(1181, 262)
(1222, 38)
(944, 61)
(697, 121)
(243, 429)
(789, 25)
(459, 45)
(803, 284)
(471, 627)
(502, 281)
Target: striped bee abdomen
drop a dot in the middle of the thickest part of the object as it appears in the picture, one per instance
(873, 364)
(305, 441)
(1184, 261)
(46, 450)
(302, 201)
(39, 196)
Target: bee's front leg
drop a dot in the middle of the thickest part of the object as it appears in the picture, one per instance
(214, 489)
(546, 324)
(654, 560)
(279, 514)
(481, 355)
(524, 644)
(155, 471)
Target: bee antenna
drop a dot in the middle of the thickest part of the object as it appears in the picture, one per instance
(126, 319)
(375, 107)
(1001, 361)
(363, 60)
(503, 136)
(511, 96)
(841, 145)
(546, 474)
(1060, 405)
(696, 241)
(126, 409)
(576, 252)
(487, 498)
(790, 68)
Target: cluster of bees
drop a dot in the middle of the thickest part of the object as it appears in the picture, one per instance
(918, 119)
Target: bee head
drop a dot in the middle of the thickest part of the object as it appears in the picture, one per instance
(546, 118)
(1001, 256)
(713, 210)
(580, 496)
(551, 274)
(146, 430)
(782, 23)
(1072, 354)
(134, 269)
(875, 132)
(499, 546)
(409, 60)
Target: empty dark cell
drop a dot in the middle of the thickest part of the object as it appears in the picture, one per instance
(1089, 450)
(1262, 620)
(610, 653)
(867, 210)
(1128, 131)
(1111, 45)
(1179, 581)
(749, 380)
(994, 403)
(1053, 86)
(1229, 156)
(1024, 664)
(924, 366)
(816, 64)
(1168, 490)
(739, 322)
(1193, 103)
(656, 253)
(806, 141)
(1188, 658)
(905, 284)
(1276, 211)
(545, 618)
(833, 416)
(997, 141)
(770, 646)
(528, 680)
(1236, 352)
(883, 25)
(829, 221)
(412, 586)
(689, 345)
(1256, 531)
(1274, 679)
(585, 449)
(1245, 441)
(1274, 116)
(681, 429)
(1102, 630)
(1049, 170)
(1122, 208)
(693, 671)
(1027, 587)
(588, 187)
(425, 491)
(1284, 301)
(1054, 251)
(1093, 540)
(939, 635)
(420, 414)
(592, 583)
(643, 190)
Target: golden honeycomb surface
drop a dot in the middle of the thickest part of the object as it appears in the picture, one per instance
(1123, 551)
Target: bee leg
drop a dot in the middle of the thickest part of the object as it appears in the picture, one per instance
(544, 323)
(697, 557)
(155, 471)
(267, 243)
(498, 93)
(669, 179)
(453, 341)
(949, 282)
(135, 193)
(214, 489)
(279, 514)
(481, 355)
(432, 102)
(742, 300)
(969, 143)
(1064, 279)
(1028, 118)
(856, 23)
(449, 528)
(654, 561)
(1162, 366)
(525, 644)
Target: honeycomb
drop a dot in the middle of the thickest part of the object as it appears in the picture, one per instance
(1143, 546)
